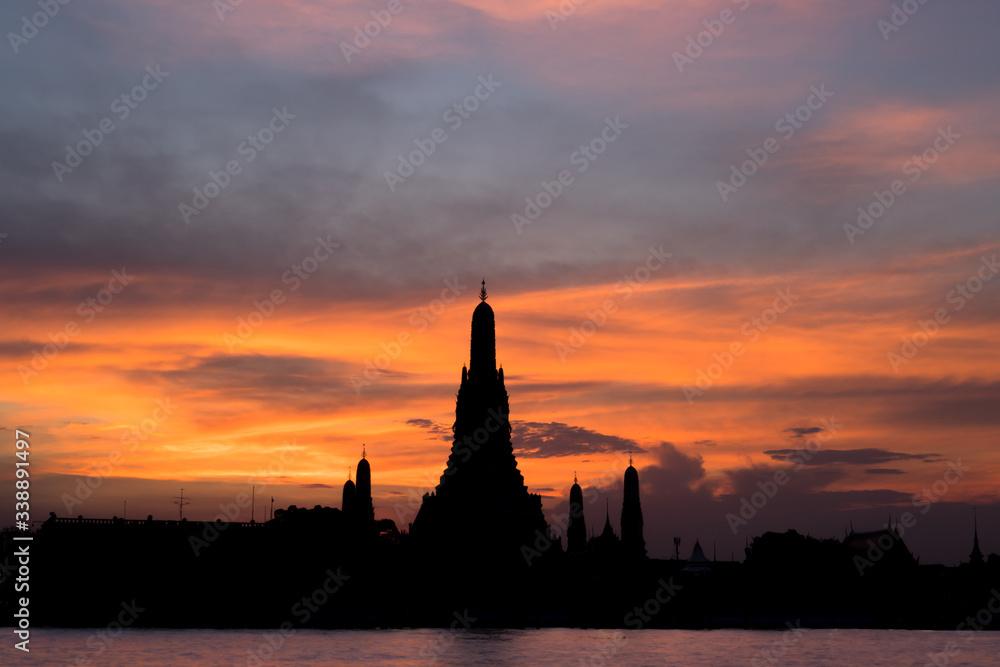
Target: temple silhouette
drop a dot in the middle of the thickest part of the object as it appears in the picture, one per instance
(479, 545)
(481, 503)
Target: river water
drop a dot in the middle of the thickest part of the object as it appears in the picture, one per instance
(714, 648)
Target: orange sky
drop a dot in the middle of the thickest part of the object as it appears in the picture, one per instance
(234, 412)
(279, 409)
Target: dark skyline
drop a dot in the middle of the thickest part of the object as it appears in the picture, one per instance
(236, 246)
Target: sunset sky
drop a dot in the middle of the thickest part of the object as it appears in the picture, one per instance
(374, 258)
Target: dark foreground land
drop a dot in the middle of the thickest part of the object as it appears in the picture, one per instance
(306, 570)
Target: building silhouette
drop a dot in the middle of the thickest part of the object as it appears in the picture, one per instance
(576, 532)
(479, 543)
(364, 508)
(633, 543)
(976, 557)
(349, 497)
(481, 501)
(698, 563)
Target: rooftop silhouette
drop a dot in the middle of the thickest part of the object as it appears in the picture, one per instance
(480, 541)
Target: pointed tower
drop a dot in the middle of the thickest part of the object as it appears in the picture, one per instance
(976, 557)
(606, 545)
(608, 533)
(363, 503)
(576, 533)
(349, 497)
(633, 544)
(481, 501)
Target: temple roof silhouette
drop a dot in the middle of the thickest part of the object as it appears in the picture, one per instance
(481, 501)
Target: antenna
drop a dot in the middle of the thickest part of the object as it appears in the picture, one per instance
(181, 501)
(253, 506)
(677, 548)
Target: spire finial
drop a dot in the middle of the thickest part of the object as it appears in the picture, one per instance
(630, 458)
(482, 292)
(364, 454)
(574, 477)
(348, 473)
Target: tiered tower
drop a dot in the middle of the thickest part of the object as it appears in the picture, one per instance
(577, 531)
(481, 501)
(350, 496)
(363, 500)
(633, 543)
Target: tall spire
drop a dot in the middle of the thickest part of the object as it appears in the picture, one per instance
(347, 503)
(363, 498)
(608, 535)
(976, 557)
(632, 538)
(483, 348)
(482, 503)
(576, 532)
